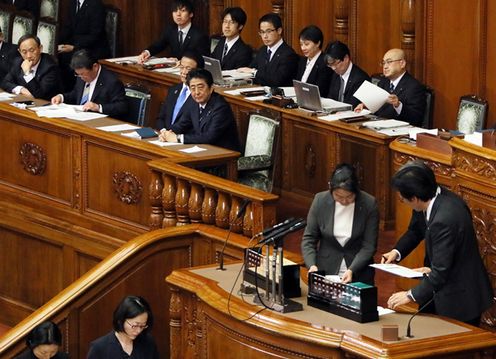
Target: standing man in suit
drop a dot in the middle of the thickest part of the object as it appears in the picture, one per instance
(35, 74)
(8, 52)
(178, 97)
(210, 121)
(312, 68)
(97, 89)
(276, 62)
(342, 228)
(181, 36)
(455, 279)
(31, 6)
(408, 96)
(231, 51)
(347, 77)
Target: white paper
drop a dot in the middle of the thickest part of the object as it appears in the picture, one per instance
(344, 114)
(414, 131)
(86, 116)
(127, 59)
(474, 138)
(398, 270)
(60, 113)
(289, 91)
(160, 60)
(193, 149)
(118, 128)
(169, 70)
(329, 104)
(236, 75)
(397, 131)
(384, 311)
(333, 278)
(382, 124)
(6, 96)
(164, 144)
(62, 106)
(133, 134)
(372, 96)
(239, 90)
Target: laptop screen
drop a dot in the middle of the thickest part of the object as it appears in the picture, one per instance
(307, 96)
(213, 66)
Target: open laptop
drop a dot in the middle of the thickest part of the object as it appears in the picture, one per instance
(308, 98)
(223, 78)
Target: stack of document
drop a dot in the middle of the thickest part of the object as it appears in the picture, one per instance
(236, 75)
(74, 112)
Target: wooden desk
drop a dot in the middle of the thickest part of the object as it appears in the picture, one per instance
(206, 323)
(309, 148)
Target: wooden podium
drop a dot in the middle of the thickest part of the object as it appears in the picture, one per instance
(206, 321)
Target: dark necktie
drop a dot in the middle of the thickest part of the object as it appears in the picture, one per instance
(180, 35)
(268, 54)
(77, 6)
(201, 111)
(225, 51)
(341, 90)
(391, 87)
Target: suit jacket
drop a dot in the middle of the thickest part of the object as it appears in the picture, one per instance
(319, 246)
(109, 92)
(357, 77)
(239, 55)
(195, 40)
(320, 74)
(458, 280)
(32, 6)
(45, 84)
(280, 70)
(28, 354)
(86, 28)
(164, 119)
(412, 94)
(216, 126)
(8, 53)
(108, 346)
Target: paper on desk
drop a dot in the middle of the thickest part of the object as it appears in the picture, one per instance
(124, 60)
(414, 131)
(57, 107)
(118, 128)
(239, 90)
(474, 138)
(161, 60)
(169, 70)
(344, 114)
(193, 149)
(396, 131)
(256, 98)
(85, 116)
(397, 270)
(289, 91)
(384, 311)
(372, 96)
(236, 75)
(133, 134)
(59, 113)
(164, 144)
(382, 124)
(6, 96)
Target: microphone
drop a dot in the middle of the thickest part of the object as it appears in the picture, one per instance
(279, 228)
(241, 212)
(294, 226)
(408, 327)
(267, 231)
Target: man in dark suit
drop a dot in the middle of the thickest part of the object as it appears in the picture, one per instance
(312, 68)
(210, 121)
(31, 6)
(342, 228)
(35, 74)
(408, 96)
(455, 278)
(8, 52)
(347, 77)
(181, 36)
(231, 51)
(276, 62)
(178, 97)
(97, 89)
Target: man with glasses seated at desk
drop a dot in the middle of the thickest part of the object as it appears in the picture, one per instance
(276, 62)
(407, 100)
(35, 74)
(97, 89)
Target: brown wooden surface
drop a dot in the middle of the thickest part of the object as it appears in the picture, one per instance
(206, 322)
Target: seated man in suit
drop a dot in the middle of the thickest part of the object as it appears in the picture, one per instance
(347, 76)
(276, 62)
(231, 51)
(312, 68)
(178, 96)
(408, 96)
(97, 89)
(209, 121)
(35, 74)
(181, 36)
(8, 53)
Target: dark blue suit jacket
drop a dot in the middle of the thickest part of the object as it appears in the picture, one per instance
(240, 55)
(164, 119)
(195, 40)
(109, 92)
(280, 71)
(320, 74)
(357, 77)
(45, 84)
(108, 346)
(216, 126)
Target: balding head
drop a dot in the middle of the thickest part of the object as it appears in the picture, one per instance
(394, 64)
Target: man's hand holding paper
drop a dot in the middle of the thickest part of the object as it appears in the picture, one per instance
(372, 96)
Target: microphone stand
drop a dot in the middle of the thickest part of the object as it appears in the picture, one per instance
(408, 327)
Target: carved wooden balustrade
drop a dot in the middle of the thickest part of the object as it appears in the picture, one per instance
(180, 195)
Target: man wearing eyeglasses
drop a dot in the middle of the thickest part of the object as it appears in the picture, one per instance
(276, 62)
(347, 77)
(231, 50)
(97, 89)
(407, 100)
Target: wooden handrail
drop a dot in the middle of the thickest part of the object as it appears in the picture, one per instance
(180, 195)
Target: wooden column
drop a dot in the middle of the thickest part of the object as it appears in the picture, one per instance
(341, 20)
(408, 33)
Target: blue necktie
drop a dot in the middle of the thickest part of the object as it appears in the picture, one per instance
(86, 94)
(391, 87)
(179, 103)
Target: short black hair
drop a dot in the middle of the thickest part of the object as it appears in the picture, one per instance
(237, 14)
(130, 307)
(415, 179)
(82, 59)
(44, 333)
(27, 37)
(179, 4)
(312, 33)
(274, 19)
(344, 176)
(196, 56)
(200, 74)
(336, 50)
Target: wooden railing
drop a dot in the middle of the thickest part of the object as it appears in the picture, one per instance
(180, 195)
(83, 310)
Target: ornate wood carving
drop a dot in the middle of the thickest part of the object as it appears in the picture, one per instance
(195, 203)
(175, 323)
(222, 211)
(466, 162)
(33, 158)
(209, 206)
(341, 20)
(182, 198)
(189, 311)
(127, 187)
(408, 32)
(169, 201)
(310, 161)
(248, 222)
(156, 188)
